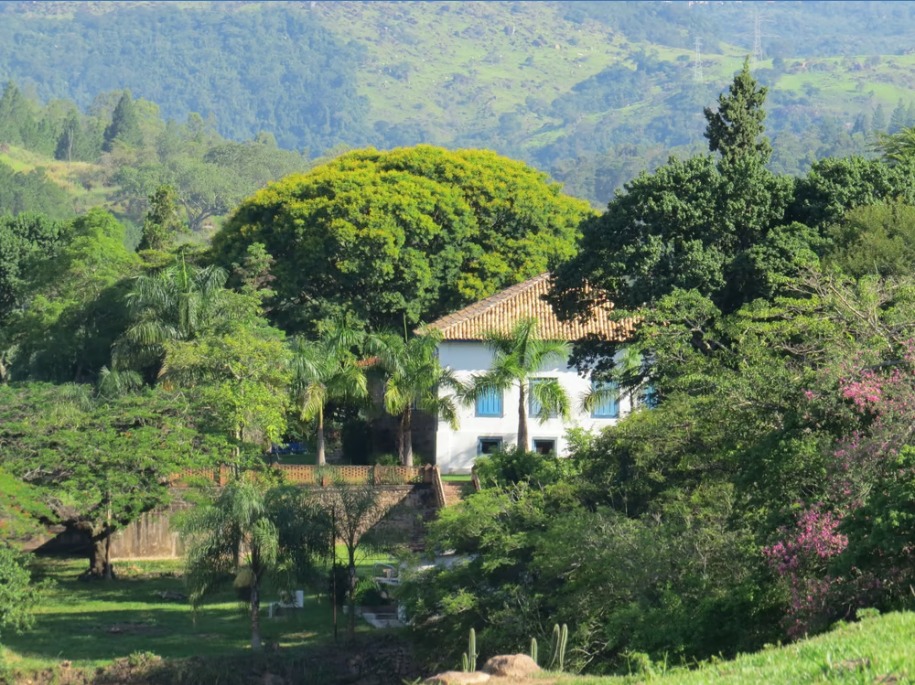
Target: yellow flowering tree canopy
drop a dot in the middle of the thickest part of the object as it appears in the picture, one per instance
(402, 236)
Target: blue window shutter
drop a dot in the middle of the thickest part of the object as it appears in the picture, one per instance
(533, 406)
(489, 403)
(648, 397)
(609, 406)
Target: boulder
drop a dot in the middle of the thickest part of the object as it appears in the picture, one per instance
(511, 666)
(457, 678)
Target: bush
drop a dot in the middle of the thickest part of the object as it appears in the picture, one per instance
(386, 460)
(368, 594)
(520, 466)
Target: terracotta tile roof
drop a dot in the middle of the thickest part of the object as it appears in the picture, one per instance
(501, 311)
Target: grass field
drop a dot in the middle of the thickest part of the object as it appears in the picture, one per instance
(68, 175)
(93, 623)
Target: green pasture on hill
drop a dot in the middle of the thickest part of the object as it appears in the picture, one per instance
(873, 651)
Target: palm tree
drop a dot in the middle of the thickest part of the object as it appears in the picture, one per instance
(412, 379)
(896, 147)
(326, 370)
(177, 303)
(518, 357)
(249, 533)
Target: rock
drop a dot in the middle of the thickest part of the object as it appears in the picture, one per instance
(511, 666)
(457, 678)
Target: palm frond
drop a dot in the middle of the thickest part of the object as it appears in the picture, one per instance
(551, 398)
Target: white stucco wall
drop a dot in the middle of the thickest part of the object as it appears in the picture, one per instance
(455, 451)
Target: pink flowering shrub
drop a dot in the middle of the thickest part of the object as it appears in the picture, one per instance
(857, 544)
(801, 561)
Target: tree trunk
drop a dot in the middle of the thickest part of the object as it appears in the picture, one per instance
(405, 438)
(109, 572)
(351, 549)
(255, 616)
(522, 418)
(99, 566)
(319, 442)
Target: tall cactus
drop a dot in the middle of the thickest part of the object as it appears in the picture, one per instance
(469, 658)
(560, 642)
(534, 649)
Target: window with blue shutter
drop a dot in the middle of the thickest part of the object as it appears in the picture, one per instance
(489, 403)
(648, 397)
(608, 404)
(533, 406)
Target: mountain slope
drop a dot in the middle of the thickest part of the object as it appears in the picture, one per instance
(592, 92)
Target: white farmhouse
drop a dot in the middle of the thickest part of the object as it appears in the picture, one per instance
(492, 422)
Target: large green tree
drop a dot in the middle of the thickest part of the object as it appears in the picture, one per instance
(163, 223)
(242, 372)
(25, 240)
(735, 128)
(124, 128)
(99, 461)
(409, 234)
(76, 304)
(716, 226)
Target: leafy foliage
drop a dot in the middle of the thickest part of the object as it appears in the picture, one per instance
(405, 235)
(19, 595)
(76, 304)
(99, 463)
(25, 240)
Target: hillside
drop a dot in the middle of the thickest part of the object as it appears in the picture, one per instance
(875, 650)
(588, 92)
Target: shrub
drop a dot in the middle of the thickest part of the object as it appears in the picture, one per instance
(368, 594)
(514, 466)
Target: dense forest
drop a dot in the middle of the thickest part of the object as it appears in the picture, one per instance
(589, 93)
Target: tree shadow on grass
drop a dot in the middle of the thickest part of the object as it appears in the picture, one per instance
(96, 621)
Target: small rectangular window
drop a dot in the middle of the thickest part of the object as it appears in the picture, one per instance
(607, 400)
(544, 446)
(533, 406)
(489, 403)
(488, 445)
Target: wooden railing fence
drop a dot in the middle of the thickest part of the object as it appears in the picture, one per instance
(322, 476)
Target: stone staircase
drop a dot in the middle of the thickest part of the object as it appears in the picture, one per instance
(454, 492)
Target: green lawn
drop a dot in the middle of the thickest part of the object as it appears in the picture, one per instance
(456, 478)
(93, 623)
(875, 650)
